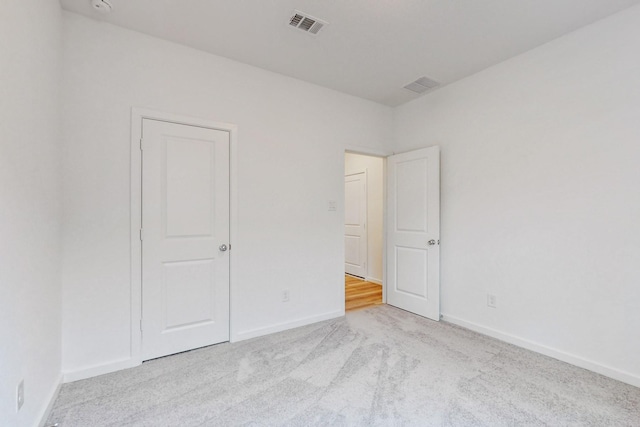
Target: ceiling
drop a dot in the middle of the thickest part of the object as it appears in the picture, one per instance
(370, 48)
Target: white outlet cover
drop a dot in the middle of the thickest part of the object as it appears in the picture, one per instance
(332, 205)
(491, 301)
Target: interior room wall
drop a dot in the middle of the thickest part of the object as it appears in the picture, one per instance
(540, 201)
(375, 199)
(291, 142)
(29, 208)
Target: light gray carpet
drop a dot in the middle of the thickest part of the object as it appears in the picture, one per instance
(380, 366)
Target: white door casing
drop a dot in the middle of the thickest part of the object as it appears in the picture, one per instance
(355, 224)
(413, 231)
(185, 220)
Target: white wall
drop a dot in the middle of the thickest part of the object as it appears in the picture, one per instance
(292, 137)
(354, 163)
(540, 194)
(29, 208)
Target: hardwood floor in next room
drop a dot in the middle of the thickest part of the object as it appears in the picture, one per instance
(361, 294)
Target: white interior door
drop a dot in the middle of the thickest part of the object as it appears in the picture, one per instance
(413, 232)
(355, 224)
(185, 221)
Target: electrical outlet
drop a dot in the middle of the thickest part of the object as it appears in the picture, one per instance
(285, 295)
(491, 301)
(20, 394)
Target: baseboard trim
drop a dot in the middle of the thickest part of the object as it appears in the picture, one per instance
(118, 365)
(572, 359)
(94, 371)
(373, 280)
(258, 332)
(52, 400)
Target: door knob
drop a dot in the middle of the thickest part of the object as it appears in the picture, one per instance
(223, 248)
(431, 242)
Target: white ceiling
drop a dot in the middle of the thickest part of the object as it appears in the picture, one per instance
(371, 48)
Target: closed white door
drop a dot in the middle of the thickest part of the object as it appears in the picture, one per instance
(355, 224)
(413, 232)
(185, 237)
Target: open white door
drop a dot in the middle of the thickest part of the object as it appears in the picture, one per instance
(185, 220)
(355, 224)
(413, 232)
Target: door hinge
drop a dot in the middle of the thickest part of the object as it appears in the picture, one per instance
(141, 144)
(140, 325)
(141, 234)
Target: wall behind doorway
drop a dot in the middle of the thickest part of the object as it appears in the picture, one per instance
(374, 165)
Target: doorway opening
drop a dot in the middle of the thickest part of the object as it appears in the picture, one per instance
(363, 230)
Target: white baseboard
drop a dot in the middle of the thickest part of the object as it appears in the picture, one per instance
(117, 365)
(94, 371)
(52, 399)
(572, 359)
(253, 333)
(373, 280)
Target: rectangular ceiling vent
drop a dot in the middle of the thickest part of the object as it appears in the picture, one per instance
(306, 22)
(422, 85)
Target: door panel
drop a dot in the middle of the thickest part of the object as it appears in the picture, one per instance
(355, 218)
(352, 252)
(411, 276)
(411, 199)
(189, 180)
(413, 232)
(188, 297)
(185, 218)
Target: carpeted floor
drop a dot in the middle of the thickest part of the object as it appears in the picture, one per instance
(375, 367)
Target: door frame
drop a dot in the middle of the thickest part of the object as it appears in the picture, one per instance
(137, 116)
(382, 155)
(366, 215)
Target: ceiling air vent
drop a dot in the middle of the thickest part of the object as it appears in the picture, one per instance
(306, 23)
(422, 85)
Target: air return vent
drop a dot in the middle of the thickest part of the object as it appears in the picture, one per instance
(422, 85)
(306, 22)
